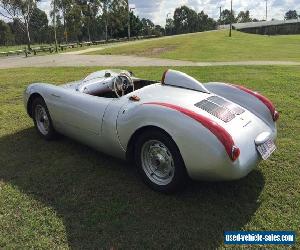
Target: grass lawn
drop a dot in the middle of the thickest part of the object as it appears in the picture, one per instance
(21, 47)
(18, 47)
(61, 194)
(215, 46)
(24, 46)
(12, 48)
(108, 45)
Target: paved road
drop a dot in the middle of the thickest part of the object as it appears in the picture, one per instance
(115, 61)
(84, 51)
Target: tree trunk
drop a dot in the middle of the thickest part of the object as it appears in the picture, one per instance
(26, 19)
(106, 22)
(28, 35)
(55, 39)
(128, 10)
(54, 25)
(106, 30)
(88, 28)
(65, 28)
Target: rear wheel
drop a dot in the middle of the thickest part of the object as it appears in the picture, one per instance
(42, 119)
(159, 161)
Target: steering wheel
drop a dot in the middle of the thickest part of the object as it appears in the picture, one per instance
(121, 83)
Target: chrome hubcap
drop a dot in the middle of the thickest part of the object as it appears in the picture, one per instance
(42, 120)
(157, 162)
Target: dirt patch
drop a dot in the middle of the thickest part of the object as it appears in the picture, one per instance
(2, 183)
(157, 51)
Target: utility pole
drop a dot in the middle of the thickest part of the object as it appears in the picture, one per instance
(230, 28)
(266, 10)
(220, 13)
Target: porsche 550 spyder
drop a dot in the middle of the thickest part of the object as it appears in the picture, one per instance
(173, 129)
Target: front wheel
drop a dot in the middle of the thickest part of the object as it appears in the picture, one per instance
(42, 119)
(159, 162)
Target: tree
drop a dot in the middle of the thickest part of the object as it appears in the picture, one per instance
(109, 9)
(291, 14)
(170, 27)
(135, 25)
(147, 27)
(185, 20)
(244, 17)
(105, 16)
(6, 36)
(55, 20)
(75, 21)
(64, 6)
(118, 18)
(205, 22)
(227, 17)
(89, 11)
(21, 10)
(99, 28)
(158, 30)
(38, 26)
(17, 29)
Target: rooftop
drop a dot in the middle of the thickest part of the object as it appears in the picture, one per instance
(263, 23)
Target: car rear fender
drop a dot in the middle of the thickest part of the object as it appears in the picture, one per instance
(193, 140)
(244, 99)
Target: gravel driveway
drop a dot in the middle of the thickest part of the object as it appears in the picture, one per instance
(59, 60)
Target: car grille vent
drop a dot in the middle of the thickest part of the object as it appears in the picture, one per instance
(220, 108)
(226, 104)
(215, 110)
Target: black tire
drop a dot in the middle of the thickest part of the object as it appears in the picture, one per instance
(50, 133)
(180, 176)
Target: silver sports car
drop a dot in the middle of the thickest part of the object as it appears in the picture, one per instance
(172, 130)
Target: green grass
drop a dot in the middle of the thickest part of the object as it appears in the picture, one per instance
(61, 194)
(12, 48)
(215, 46)
(24, 46)
(19, 47)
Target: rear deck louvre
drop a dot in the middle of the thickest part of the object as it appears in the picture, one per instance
(218, 111)
(226, 104)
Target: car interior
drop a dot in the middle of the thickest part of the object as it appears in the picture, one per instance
(114, 87)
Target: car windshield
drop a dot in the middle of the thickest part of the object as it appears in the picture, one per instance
(104, 73)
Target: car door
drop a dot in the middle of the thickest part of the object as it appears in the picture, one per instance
(77, 114)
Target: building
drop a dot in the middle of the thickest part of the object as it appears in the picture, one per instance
(276, 27)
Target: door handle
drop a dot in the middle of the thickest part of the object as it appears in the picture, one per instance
(54, 95)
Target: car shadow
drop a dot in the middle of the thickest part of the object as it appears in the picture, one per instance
(103, 203)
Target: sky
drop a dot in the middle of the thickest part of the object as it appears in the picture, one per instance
(157, 10)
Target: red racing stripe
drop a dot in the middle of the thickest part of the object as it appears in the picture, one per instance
(263, 99)
(223, 136)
